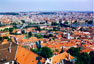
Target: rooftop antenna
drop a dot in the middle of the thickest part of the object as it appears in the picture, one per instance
(9, 49)
(14, 39)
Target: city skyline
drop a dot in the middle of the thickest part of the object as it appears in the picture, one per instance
(47, 5)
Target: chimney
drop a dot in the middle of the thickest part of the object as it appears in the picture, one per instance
(9, 49)
(33, 46)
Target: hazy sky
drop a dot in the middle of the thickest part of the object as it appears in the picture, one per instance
(46, 5)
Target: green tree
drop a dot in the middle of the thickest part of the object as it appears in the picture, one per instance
(57, 50)
(92, 57)
(6, 29)
(56, 28)
(1, 38)
(24, 46)
(6, 37)
(74, 51)
(85, 58)
(50, 35)
(46, 52)
(42, 22)
(10, 30)
(38, 28)
(82, 58)
(38, 36)
(66, 22)
(29, 34)
(34, 50)
(54, 24)
(13, 24)
(79, 61)
(46, 36)
(23, 31)
(23, 21)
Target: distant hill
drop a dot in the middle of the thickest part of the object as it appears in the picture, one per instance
(41, 13)
(47, 13)
(9, 13)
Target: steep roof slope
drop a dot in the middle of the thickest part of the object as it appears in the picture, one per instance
(25, 56)
(5, 54)
(62, 56)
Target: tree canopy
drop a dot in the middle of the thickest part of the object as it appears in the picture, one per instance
(34, 50)
(74, 51)
(92, 57)
(46, 52)
(85, 58)
(82, 58)
(23, 31)
(38, 28)
(66, 22)
(29, 34)
(38, 36)
(54, 23)
(10, 30)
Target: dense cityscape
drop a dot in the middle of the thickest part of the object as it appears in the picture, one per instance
(47, 38)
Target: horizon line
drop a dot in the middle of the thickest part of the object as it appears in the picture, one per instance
(42, 11)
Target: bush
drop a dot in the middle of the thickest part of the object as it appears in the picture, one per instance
(38, 36)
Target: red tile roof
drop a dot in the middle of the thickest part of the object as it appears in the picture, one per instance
(25, 56)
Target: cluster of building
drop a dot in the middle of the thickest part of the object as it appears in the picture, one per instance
(80, 17)
(13, 51)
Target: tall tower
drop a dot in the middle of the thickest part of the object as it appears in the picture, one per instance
(69, 30)
(68, 34)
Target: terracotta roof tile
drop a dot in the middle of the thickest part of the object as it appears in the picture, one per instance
(59, 57)
(25, 56)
